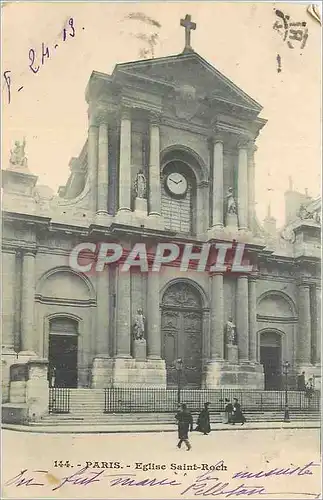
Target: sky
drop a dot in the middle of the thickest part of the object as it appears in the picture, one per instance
(237, 38)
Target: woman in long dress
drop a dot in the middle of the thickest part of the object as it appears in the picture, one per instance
(228, 412)
(203, 421)
(237, 415)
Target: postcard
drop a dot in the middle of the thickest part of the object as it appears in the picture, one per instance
(161, 250)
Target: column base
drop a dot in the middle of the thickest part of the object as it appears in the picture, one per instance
(102, 218)
(102, 370)
(221, 374)
(133, 373)
(124, 216)
(215, 232)
(155, 221)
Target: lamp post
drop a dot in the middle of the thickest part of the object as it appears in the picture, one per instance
(286, 367)
(179, 369)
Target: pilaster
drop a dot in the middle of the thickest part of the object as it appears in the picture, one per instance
(28, 302)
(304, 324)
(216, 317)
(243, 184)
(252, 283)
(242, 319)
(153, 316)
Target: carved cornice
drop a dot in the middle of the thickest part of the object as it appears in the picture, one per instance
(277, 319)
(64, 301)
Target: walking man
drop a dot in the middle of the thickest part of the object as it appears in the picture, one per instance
(185, 424)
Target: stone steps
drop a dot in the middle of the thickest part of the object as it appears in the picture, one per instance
(95, 418)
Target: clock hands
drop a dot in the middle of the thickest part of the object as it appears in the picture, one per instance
(181, 180)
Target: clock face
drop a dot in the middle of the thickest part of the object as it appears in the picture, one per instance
(176, 184)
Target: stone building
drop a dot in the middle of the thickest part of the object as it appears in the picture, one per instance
(169, 158)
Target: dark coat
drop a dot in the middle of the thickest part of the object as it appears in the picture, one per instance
(237, 415)
(185, 423)
(228, 413)
(203, 422)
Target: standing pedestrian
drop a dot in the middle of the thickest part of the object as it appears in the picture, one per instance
(203, 421)
(301, 385)
(52, 376)
(185, 424)
(228, 409)
(237, 415)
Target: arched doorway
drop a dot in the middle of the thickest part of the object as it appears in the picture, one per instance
(62, 351)
(182, 333)
(270, 358)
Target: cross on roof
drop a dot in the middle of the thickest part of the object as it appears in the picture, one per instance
(188, 25)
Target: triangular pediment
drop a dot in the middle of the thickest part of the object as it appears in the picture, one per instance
(189, 69)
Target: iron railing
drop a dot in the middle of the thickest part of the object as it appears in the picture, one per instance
(150, 400)
(59, 400)
(126, 400)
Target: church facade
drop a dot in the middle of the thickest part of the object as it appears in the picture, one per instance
(169, 158)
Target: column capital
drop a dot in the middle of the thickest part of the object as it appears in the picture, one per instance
(253, 277)
(304, 284)
(154, 118)
(29, 252)
(97, 114)
(243, 142)
(125, 112)
(8, 250)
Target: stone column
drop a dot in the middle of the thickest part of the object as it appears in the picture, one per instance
(123, 314)
(154, 168)
(153, 316)
(252, 319)
(251, 185)
(102, 344)
(218, 183)
(92, 156)
(304, 325)
(216, 317)
(242, 317)
(125, 162)
(103, 170)
(8, 297)
(28, 302)
(318, 326)
(243, 185)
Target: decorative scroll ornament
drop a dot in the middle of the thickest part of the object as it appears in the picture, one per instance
(186, 102)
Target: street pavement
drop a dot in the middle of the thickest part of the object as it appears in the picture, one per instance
(158, 427)
(152, 462)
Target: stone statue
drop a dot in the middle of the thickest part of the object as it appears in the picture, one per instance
(231, 203)
(18, 157)
(139, 326)
(231, 332)
(140, 185)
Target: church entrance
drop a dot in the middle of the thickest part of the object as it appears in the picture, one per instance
(62, 353)
(182, 333)
(270, 358)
